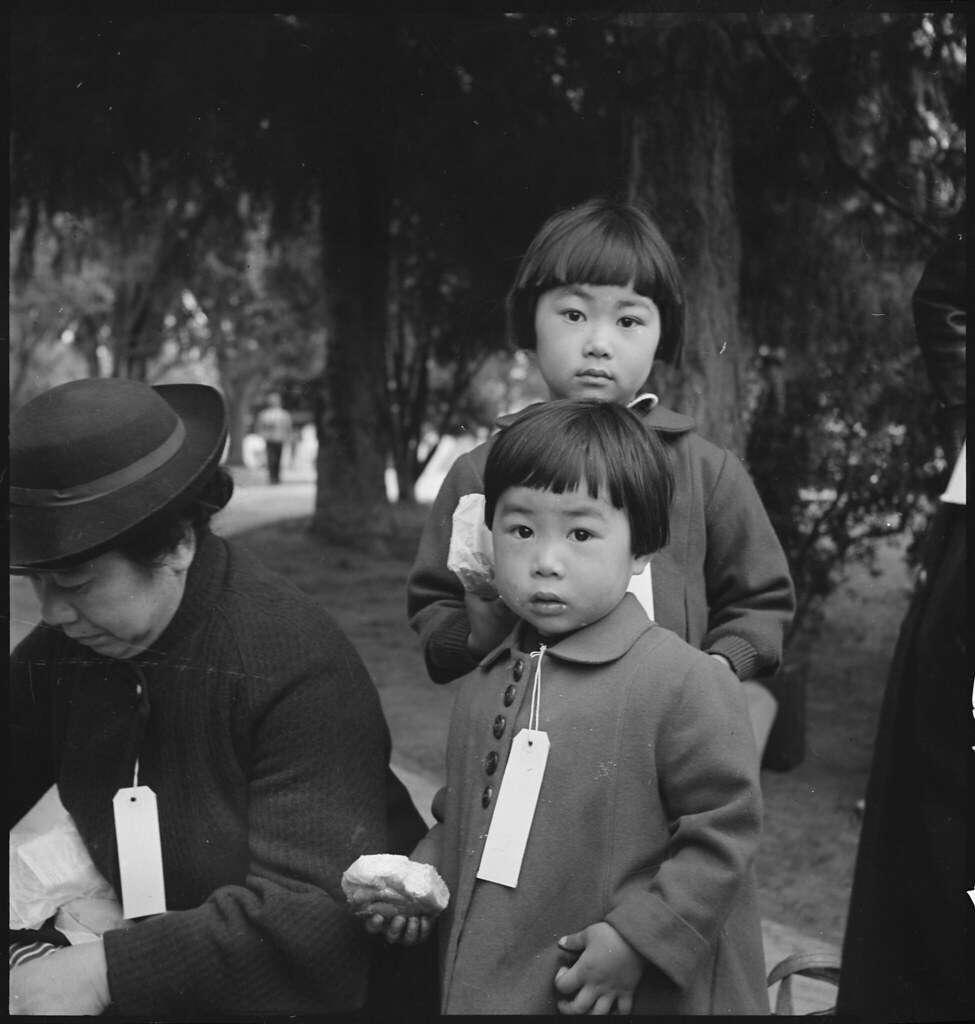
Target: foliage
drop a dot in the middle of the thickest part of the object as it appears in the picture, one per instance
(840, 440)
(59, 306)
(253, 312)
(852, 167)
(477, 170)
(393, 168)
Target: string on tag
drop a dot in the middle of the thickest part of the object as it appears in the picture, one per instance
(536, 702)
(647, 396)
(135, 775)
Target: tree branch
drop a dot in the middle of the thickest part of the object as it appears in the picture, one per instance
(828, 126)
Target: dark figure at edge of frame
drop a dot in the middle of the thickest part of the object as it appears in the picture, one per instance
(908, 951)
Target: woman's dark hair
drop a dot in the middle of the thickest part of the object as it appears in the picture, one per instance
(557, 446)
(150, 547)
(601, 242)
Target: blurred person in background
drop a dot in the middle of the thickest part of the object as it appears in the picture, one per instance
(274, 426)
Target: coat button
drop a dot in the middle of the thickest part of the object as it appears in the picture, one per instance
(518, 670)
(509, 695)
(491, 762)
(486, 795)
(498, 729)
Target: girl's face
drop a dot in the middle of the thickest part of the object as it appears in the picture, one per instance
(562, 561)
(596, 341)
(112, 605)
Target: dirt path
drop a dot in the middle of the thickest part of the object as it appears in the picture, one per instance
(806, 862)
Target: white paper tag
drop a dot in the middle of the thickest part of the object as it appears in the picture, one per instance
(642, 588)
(511, 822)
(139, 852)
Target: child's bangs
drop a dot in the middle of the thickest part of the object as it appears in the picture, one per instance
(604, 258)
(538, 463)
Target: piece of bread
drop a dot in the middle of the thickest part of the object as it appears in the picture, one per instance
(391, 884)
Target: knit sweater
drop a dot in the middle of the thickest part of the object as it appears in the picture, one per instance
(262, 736)
(722, 582)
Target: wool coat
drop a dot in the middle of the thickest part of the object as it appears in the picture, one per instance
(722, 582)
(648, 818)
(262, 736)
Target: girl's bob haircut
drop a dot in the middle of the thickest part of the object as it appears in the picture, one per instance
(602, 241)
(571, 443)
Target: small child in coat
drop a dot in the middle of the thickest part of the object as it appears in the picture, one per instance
(602, 806)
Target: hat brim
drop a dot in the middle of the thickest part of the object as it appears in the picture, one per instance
(47, 538)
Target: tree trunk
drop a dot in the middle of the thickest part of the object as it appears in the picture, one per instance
(680, 162)
(350, 503)
(238, 394)
(130, 329)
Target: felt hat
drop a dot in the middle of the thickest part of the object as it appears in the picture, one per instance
(95, 461)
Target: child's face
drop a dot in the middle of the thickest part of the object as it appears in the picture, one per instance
(562, 561)
(596, 341)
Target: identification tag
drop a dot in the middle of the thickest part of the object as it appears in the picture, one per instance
(139, 852)
(504, 848)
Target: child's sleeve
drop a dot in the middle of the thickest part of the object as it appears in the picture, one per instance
(429, 850)
(707, 776)
(435, 596)
(751, 599)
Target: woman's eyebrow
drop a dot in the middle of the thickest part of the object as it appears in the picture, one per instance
(68, 576)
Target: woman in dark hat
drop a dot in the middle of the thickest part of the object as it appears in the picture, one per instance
(170, 661)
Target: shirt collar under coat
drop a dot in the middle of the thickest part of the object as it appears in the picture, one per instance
(657, 416)
(604, 641)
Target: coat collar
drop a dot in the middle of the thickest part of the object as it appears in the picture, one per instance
(604, 641)
(658, 417)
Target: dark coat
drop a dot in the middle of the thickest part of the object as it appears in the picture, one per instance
(909, 949)
(648, 818)
(262, 736)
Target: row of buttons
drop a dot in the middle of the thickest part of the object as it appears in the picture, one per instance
(492, 761)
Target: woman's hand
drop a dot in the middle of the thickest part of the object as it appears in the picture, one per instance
(71, 982)
(407, 931)
(491, 620)
(607, 972)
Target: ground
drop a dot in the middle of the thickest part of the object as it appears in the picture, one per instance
(805, 867)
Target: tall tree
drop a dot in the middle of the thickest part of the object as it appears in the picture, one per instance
(681, 77)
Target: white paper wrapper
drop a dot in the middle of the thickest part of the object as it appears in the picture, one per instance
(471, 554)
(50, 872)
